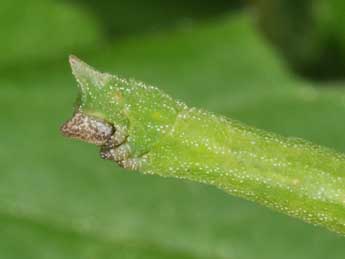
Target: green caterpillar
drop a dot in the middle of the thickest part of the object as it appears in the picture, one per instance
(143, 129)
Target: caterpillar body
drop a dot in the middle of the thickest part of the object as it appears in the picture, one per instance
(143, 129)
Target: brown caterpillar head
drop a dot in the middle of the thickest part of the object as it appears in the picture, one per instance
(88, 129)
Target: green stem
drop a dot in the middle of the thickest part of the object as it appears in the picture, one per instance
(158, 135)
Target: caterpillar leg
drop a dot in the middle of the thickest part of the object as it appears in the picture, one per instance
(117, 149)
(117, 138)
(116, 154)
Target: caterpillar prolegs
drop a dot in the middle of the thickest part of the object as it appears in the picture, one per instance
(144, 129)
(111, 140)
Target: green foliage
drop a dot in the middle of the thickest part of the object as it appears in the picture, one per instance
(57, 200)
(310, 34)
(37, 30)
(122, 17)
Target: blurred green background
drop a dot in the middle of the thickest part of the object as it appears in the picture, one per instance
(276, 65)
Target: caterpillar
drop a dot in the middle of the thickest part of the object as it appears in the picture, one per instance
(143, 129)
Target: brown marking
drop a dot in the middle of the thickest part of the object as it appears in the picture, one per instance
(88, 129)
(118, 96)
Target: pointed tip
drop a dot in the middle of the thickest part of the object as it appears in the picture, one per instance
(82, 71)
(78, 65)
(87, 77)
(73, 59)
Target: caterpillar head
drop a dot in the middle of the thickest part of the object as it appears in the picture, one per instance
(88, 128)
(108, 103)
(98, 106)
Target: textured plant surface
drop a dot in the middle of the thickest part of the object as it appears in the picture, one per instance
(57, 200)
(144, 129)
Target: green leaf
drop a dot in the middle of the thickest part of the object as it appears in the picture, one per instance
(58, 200)
(39, 30)
(154, 14)
(310, 34)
